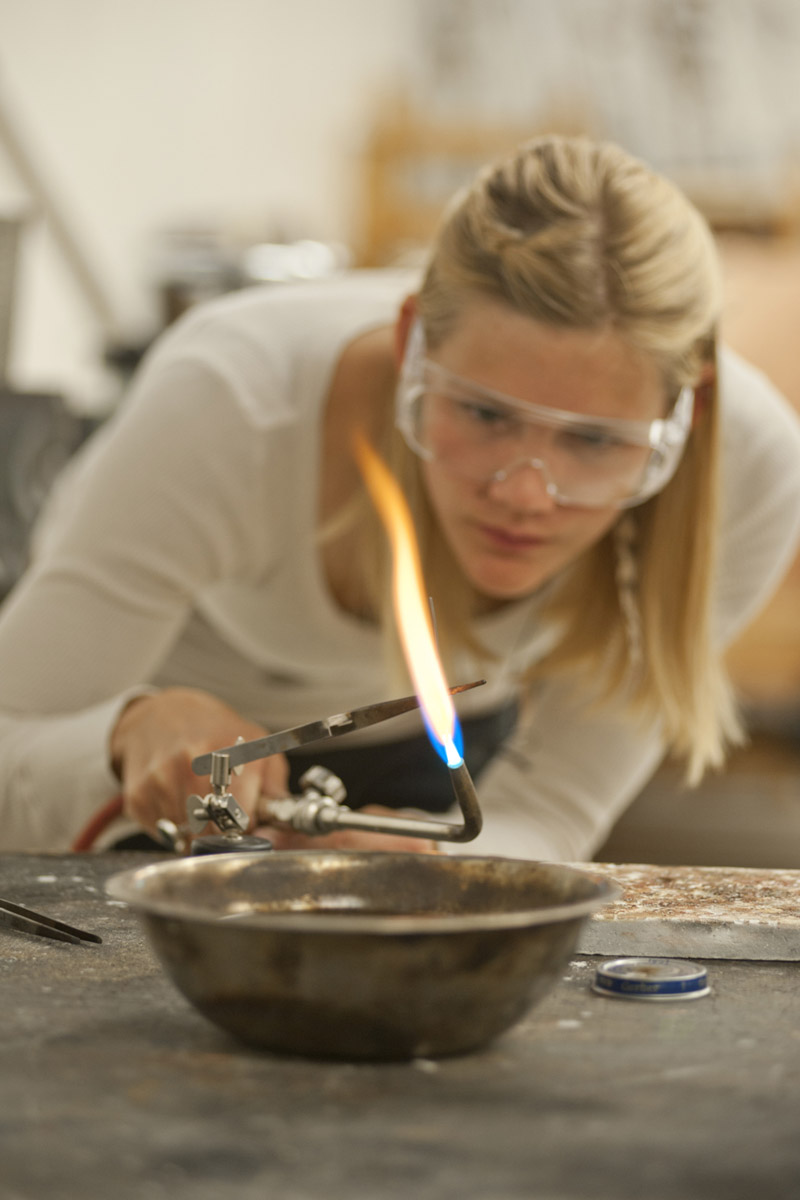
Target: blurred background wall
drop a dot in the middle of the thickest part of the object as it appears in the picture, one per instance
(239, 117)
(254, 120)
(156, 153)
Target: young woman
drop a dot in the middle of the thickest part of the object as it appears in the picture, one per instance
(602, 500)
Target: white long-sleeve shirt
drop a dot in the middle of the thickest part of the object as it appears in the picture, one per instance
(180, 548)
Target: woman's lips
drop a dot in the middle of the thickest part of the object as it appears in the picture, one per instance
(505, 539)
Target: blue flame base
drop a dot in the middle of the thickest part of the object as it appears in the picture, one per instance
(450, 752)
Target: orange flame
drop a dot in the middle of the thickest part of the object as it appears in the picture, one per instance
(408, 596)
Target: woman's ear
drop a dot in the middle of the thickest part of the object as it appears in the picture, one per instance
(402, 328)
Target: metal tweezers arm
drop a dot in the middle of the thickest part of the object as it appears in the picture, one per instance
(25, 920)
(315, 731)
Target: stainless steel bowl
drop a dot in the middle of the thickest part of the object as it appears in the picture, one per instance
(362, 955)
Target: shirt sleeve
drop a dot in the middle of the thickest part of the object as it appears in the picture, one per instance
(563, 778)
(760, 484)
(161, 506)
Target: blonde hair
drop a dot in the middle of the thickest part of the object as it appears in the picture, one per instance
(581, 235)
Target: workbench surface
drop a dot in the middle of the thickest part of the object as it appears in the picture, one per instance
(113, 1087)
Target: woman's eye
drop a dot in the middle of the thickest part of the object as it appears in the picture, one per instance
(487, 415)
(597, 440)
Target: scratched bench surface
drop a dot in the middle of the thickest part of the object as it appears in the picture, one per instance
(112, 1085)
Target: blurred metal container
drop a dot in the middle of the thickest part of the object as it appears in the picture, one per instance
(358, 955)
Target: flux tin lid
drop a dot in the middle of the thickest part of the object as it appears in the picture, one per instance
(651, 979)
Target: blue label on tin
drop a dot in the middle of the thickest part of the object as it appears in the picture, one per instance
(647, 987)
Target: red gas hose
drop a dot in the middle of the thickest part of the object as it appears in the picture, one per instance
(97, 825)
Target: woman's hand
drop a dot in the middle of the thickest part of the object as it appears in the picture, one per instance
(155, 740)
(351, 839)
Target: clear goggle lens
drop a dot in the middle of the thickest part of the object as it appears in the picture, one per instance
(483, 435)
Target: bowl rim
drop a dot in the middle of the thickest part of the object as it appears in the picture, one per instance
(128, 887)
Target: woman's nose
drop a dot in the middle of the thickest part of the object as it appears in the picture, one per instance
(525, 485)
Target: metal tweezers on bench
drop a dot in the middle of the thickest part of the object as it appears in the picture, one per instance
(25, 920)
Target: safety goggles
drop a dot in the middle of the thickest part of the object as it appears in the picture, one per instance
(485, 436)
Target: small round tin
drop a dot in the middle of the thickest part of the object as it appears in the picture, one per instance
(651, 979)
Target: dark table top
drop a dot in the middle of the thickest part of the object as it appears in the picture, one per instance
(113, 1087)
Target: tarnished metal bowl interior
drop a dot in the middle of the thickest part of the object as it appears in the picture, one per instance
(362, 955)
